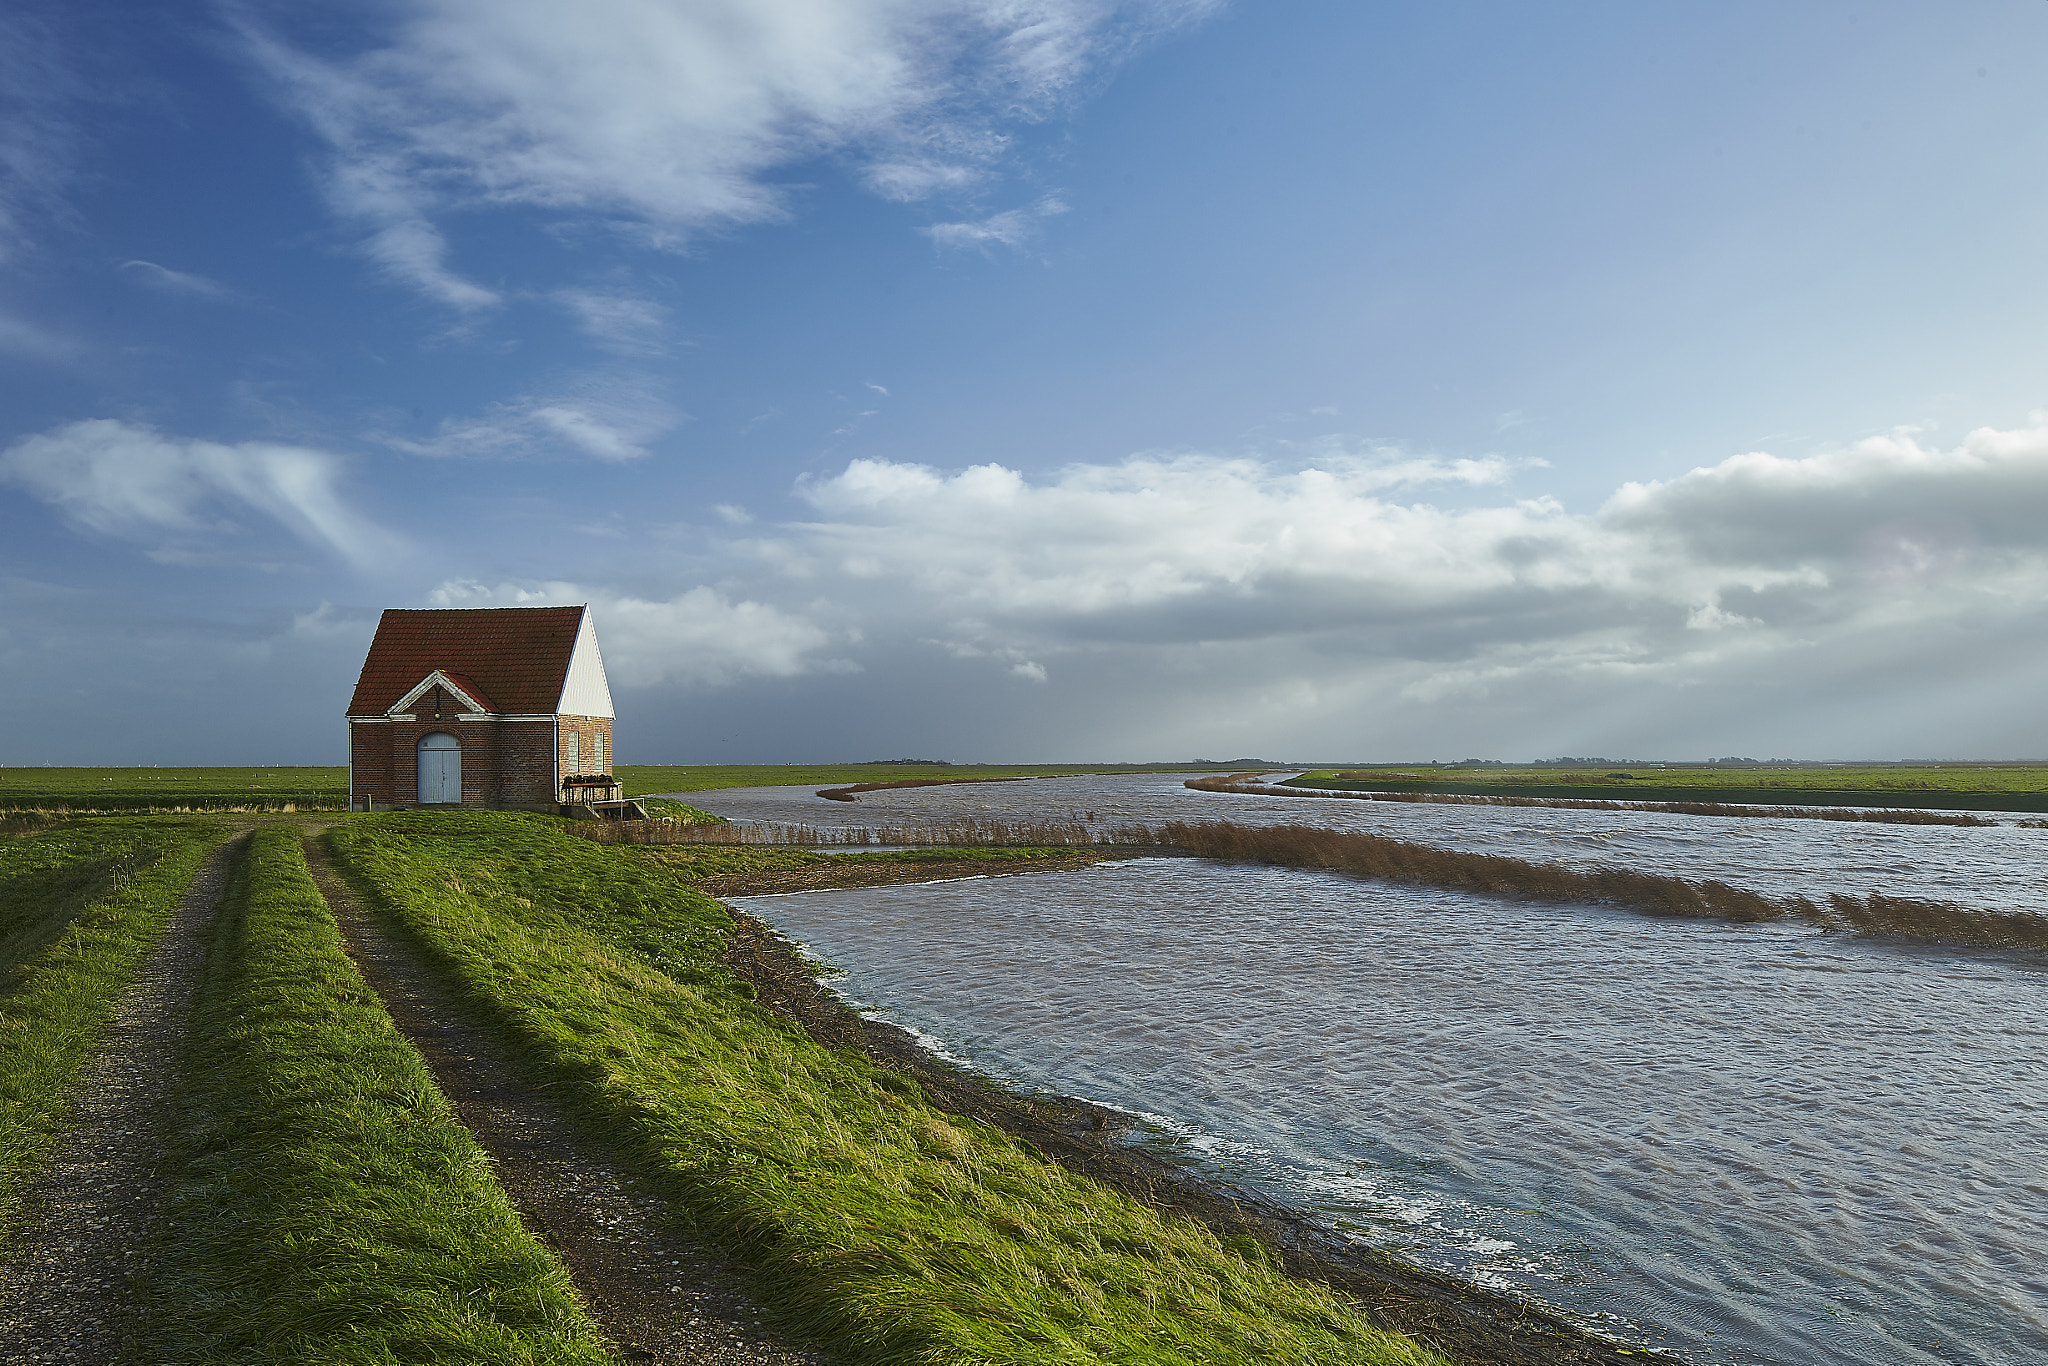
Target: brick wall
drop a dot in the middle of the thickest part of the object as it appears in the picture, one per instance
(586, 730)
(504, 763)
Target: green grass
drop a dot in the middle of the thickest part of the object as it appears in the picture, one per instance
(642, 778)
(876, 1223)
(327, 1205)
(1988, 787)
(173, 789)
(80, 905)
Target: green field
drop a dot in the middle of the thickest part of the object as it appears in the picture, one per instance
(1976, 787)
(326, 789)
(173, 789)
(644, 778)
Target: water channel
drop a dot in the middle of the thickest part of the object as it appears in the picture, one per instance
(1745, 1143)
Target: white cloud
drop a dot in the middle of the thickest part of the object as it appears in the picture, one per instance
(700, 636)
(671, 117)
(598, 417)
(1747, 559)
(154, 276)
(623, 324)
(179, 498)
(1011, 228)
(38, 138)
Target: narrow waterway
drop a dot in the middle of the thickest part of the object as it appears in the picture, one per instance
(1747, 1143)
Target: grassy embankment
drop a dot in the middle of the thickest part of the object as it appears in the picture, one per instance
(173, 789)
(326, 1204)
(877, 1223)
(80, 905)
(1968, 787)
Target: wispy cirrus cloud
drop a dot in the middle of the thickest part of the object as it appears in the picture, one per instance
(1010, 228)
(609, 417)
(186, 501)
(669, 120)
(163, 279)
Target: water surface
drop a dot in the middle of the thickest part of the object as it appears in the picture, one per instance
(1749, 1143)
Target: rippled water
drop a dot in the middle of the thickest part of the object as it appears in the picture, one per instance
(1997, 868)
(1752, 1143)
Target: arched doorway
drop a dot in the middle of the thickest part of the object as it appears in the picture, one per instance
(440, 768)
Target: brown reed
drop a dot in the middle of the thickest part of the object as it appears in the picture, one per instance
(1237, 783)
(1376, 856)
(845, 794)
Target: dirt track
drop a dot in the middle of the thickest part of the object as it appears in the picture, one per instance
(67, 1296)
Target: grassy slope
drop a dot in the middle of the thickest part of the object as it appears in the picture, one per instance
(327, 1204)
(79, 907)
(882, 1225)
(130, 789)
(1970, 786)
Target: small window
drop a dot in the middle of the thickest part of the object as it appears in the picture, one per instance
(569, 750)
(597, 752)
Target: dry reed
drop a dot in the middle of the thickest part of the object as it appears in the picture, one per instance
(1392, 860)
(1237, 783)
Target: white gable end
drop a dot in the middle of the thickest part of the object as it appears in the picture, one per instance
(585, 691)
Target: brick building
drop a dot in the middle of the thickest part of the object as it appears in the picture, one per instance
(501, 707)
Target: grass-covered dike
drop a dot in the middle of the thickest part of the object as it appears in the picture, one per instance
(877, 1223)
(80, 905)
(326, 1205)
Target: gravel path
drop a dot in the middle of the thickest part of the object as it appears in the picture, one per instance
(658, 1295)
(67, 1296)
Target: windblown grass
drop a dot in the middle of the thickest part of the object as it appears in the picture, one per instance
(1884, 816)
(891, 1230)
(80, 905)
(327, 1206)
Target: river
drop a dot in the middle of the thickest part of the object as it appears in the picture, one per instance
(1746, 1143)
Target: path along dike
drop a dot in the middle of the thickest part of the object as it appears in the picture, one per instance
(657, 1294)
(67, 1298)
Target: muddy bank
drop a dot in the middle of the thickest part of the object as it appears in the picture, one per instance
(1469, 1324)
(843, 873)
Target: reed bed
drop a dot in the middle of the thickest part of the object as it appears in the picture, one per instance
(1238, 783)
(845, 794)
(1375, 856)
(1392, 860)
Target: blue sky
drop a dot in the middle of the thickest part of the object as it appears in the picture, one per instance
(1035, 379)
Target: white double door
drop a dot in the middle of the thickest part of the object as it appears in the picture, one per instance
(440, 769)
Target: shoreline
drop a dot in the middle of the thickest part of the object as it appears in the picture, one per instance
(1466, 1322)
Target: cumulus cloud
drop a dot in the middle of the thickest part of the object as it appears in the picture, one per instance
(671, 117)
(180, 499)
(1347, 557)
(597, 417)
(699, 636)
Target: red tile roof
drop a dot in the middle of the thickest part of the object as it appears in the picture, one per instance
(517, 658)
